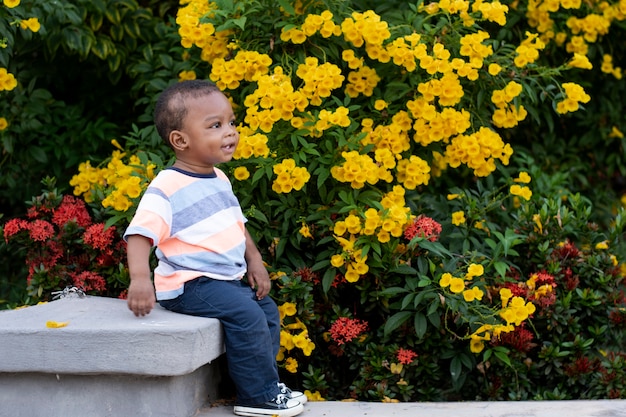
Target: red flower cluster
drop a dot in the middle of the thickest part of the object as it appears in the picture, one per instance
(423, 226)
(520, 339)
(65, 247)
(345, 329)
(405, 356)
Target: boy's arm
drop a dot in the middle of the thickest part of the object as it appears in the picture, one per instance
(141, 296)
(257, 273)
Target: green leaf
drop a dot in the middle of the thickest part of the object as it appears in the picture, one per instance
(456, 368)
(327, 280)
(396, 321)
(421, 325)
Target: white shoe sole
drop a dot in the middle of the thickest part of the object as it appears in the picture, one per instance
(260, 412)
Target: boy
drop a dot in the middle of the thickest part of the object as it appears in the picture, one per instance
(189, 212)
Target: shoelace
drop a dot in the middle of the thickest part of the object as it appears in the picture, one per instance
(284, 389)
(281, 399)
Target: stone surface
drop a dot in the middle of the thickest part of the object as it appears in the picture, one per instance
(106, 362)
(597, 408)
(103, 337)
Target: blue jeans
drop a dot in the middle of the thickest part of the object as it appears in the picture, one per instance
(251, 332)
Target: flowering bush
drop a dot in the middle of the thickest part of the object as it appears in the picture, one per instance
(66, 247)
(415, 256)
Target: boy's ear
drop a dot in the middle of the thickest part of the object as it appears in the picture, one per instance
(178, 140)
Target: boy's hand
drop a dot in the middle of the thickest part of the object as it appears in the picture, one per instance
(259, 278)
(141, 297)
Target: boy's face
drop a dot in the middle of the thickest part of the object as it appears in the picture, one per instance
(209, 134)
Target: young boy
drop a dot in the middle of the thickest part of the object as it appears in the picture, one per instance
(189, 212)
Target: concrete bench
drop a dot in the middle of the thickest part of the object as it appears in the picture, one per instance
(106, 361)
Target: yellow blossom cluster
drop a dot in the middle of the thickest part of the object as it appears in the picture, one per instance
(121, 182)
(507, 115)
(389, 221)
(413, 172)
(319, 80)
(528, 51)
(492, 11)
(405, 50)
(193, 31)
(432, 126)
(365, 28)
(313, 23)
(608, 67)
(460, 285)
(274, 99)
(363, 81)
(521, 191)
(351, 257)
(472, 47)
(590, 26)
(573, 95)
(447, 90)
(394, 137)
(7, 80)
(515, 311)
(289, 176)
(326, 119)
(358, 169)
(246, 65)
(478, 151)
(292, 335)
(251, 144)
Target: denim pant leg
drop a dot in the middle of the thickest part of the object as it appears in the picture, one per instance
(251, 332)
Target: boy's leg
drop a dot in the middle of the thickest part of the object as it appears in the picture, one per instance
(250, 345)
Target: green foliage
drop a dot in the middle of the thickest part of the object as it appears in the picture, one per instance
(457, 279)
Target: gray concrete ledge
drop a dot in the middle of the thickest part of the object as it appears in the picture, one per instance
(596, 408)
(104, 337)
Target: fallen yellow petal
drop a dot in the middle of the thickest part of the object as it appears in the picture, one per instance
(56, 324)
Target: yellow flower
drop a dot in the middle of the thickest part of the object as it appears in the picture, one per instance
(396, 368)
(452, 196)
(457, 285)
(380, 105)
(444, 281)
(3, 123)
(521, 191)
(337, 261)
(305, 231)
(186, 75)
(580, 61)
(494, 69)
(11, 3)
(602, 245)
(523, 178)
(291, 365)
(474, 270)
(287, 309)
(31, 24)
(476, 345)
(458, 218)
(313, 396)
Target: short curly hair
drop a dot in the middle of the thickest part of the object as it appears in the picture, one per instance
(170, 109)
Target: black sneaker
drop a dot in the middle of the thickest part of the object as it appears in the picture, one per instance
(294, 395)
(280, 406)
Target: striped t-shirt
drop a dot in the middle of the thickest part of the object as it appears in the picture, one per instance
(196, 223)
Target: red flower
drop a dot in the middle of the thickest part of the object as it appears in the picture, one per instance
(568, 250)
(71, 209)
(406, 356)
(89, 281)
(520, 339)
(345, 329)
(40, 230)
(97, 237)
(14, 226)
(580, 366)
(423, 226)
